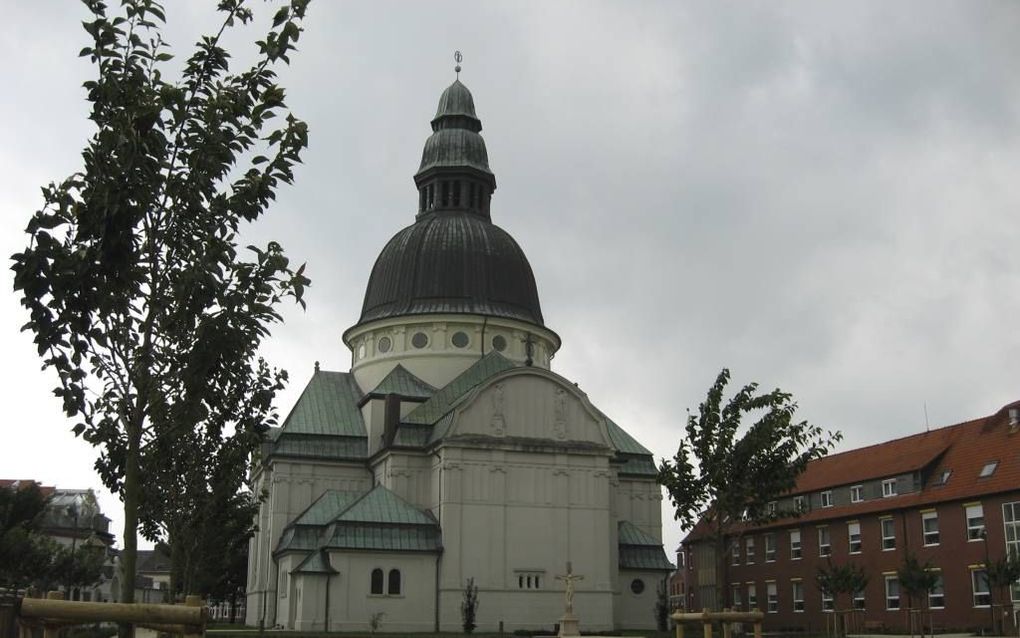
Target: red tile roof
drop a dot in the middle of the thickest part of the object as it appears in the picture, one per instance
(963, 449)
(47, 490)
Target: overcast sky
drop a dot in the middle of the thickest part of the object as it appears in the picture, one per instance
(822, 197)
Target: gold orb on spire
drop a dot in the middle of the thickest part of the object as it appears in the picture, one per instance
(457, 57)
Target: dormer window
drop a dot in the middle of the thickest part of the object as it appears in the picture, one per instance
(943, 477)
(888, 488)
(827, 498)
(988, 469)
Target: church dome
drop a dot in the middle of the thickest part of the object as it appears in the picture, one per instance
(453, 259)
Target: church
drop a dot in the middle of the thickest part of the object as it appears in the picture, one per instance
(451, 450)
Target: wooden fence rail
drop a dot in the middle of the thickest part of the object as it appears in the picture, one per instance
(54, 613)
(726, 617)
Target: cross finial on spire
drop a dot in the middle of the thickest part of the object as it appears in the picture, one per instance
(457, 57)
(316, 366)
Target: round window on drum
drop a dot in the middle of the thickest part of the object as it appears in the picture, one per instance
(460, 339)
(384, 344)
(499, 343)
(419, 340)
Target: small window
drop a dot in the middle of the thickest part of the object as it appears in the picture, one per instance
(770, 548)
(853, 531)
(930, 525)
(943, 477)
(888, 488)
(798, 504)
(827, 602)
(979, 584)
(824, 546)
(827, 498)
(377, 582)
(892, 593)
(361, 351)
(856, 493)
(975, 522)
(888, 534)
(772, 507)
(393, 584)
(384, 344)
(735, 553)
(460, 339)
(937, 595)
(752, 596)
(735, 595)
(795, 550)
(749, 550)
(456, 194)
(499, 343)
(858, 602)
(798, 595)
(988, 469)
(419, 340)
(446, 194)
(637, 586)
(772, 597)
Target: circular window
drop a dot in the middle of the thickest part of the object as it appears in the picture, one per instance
(499, 343)
(460, 339)
(419, 340)
(384, 344)
(361, 351)
(637, 585)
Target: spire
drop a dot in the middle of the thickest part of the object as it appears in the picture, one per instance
(457, 57)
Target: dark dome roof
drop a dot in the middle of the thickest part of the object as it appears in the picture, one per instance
(452, 262)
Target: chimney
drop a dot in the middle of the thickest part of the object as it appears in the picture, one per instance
(1014, 419)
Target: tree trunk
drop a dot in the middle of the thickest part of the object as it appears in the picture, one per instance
(129, 558)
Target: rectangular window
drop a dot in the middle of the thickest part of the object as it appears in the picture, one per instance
(735, 591)
(827, 498)
(824, 547)
(888, 488)
(772, 507)
(798, 503)
(988, 469)
(827, 603)
(853, 532)
(937, 595)
(859, 600)
(1011, 523)
(749, 550)
(856, 493)
(752, 596)
(979, 585)
(735, 553)
(888, 534)
(794, 544)
(930, 525)
(772, 596)
(798, 595)
(770, 548)
(892, 592)
(975, 522)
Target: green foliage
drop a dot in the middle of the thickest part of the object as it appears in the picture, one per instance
(375, 621)
(469, 606)
(917, 579)
(26, 556)
(138, 296)
(740, 470)
(848, 578)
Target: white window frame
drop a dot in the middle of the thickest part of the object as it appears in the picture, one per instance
(797, 594)
(772, 507)
(988, 469)
(796, 551)
(824, 549)
(735, 595)
(888, 525)
(853, 535)
(771, 597)
(752, 596)
(735, 552)
(828, 603)
(826, 498)
(937, 595)
(856, 493)
(798, 503)
(891, 599)
(927, 535)
(975, 530)
(749, 550)
(770, 547)
(858, 597)
(888, 488)
(1011, 527)
(977, 575)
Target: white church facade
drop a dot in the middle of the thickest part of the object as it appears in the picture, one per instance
(451, 450)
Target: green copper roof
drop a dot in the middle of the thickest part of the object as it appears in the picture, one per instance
(631, 534)
(400, 381)
(326, 508)
(623, 442)
(321, 447)
(299, 539)
(413, 435)
(383, 506)
(317, 563)
(443, 400)
(640, 557)
(637, 465)
(328, 405)
(414, 538)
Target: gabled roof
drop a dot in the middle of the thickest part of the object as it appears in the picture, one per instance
(328, 406)
(383, 506)
(444, 399)
(326, 508)
(415, 538)
(400, 381)
(631, 534)
(316, 563)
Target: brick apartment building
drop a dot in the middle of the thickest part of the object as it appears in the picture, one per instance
(949, 496)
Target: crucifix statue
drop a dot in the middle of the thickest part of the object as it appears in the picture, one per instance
(569, 579)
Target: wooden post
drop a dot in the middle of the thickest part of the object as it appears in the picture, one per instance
(679, 628)
(757, 629)
(50, 630)
(195, 601)
(706, 623)
(726, 627)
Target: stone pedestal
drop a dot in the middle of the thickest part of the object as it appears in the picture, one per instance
(568, 626)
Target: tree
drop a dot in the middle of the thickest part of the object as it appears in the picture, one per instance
(917, 580)
(738, 470)
(469, 606)
(1002, 573)
(27, 557)
(137, 295)
(662, 605)
(834, 580)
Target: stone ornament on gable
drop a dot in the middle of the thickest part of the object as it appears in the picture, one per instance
(498, 422)
(560, 414)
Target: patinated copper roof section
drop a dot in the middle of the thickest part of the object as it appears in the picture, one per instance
(453, 259)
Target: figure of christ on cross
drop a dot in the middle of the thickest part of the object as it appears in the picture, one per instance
(569, 579)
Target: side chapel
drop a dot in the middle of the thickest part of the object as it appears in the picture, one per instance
(451, 450)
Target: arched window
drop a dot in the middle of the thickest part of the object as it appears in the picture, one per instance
(377, 581)
(394, 584)
(456, 194)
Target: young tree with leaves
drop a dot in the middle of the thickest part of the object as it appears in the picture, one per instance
(1002, 573)
(138, 296)
(834, 580)
(469, 606)
(725, 472)
(917, 580)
